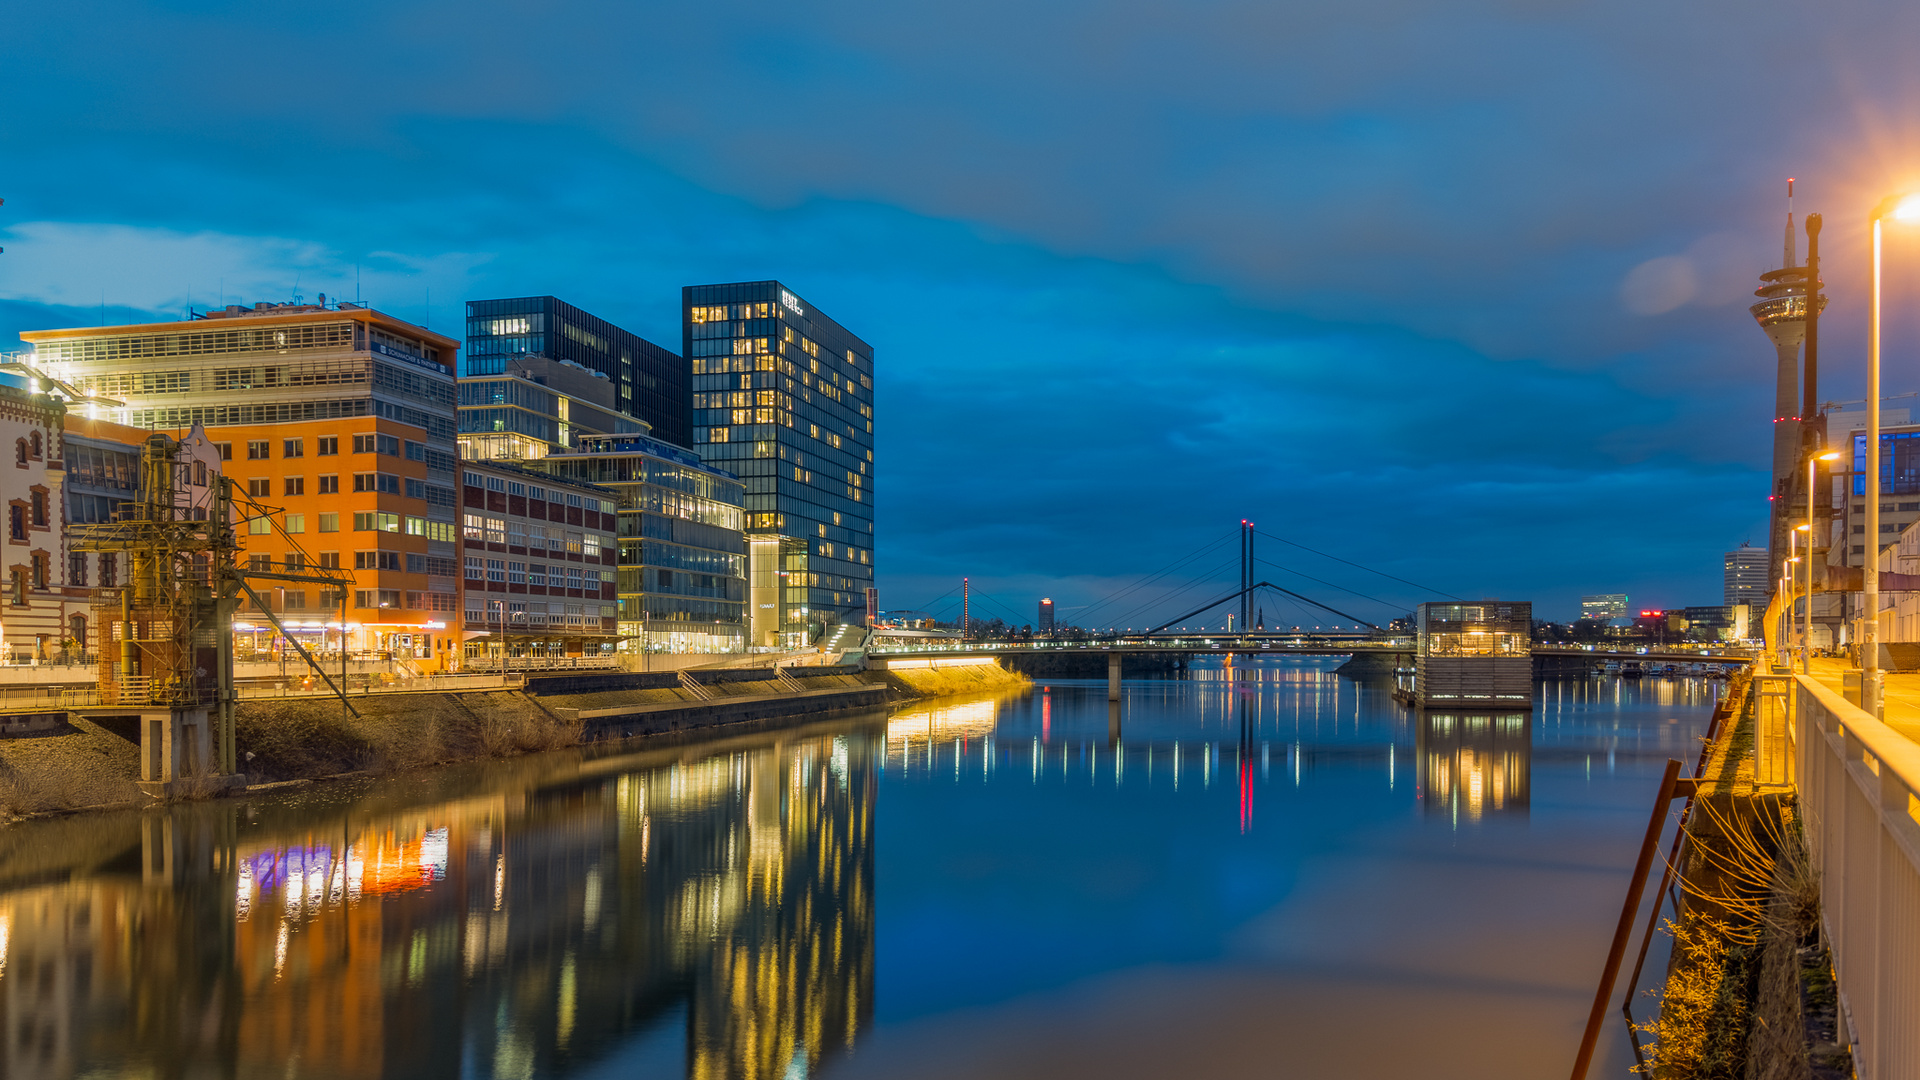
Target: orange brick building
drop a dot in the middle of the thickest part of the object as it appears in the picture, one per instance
(338, 420)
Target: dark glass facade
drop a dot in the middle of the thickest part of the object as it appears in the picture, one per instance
(781, 396)
(648, 381)
(1899, 463)
(683, 562)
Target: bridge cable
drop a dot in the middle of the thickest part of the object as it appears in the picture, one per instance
(995, 601)
(928, 606)
(1191, 583)
(1087, 612)
(1368, 569)
(1257, 585)
(1331, 585)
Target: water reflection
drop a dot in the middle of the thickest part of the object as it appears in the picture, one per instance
(711, 909)
(1474, 763)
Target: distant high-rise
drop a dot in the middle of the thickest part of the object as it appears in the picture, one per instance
(1747, 577)
(1605, 607)
(1045, 625)
(649, 381)
(782, 397)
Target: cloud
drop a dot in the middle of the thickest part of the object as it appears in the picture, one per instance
(1715, 270)
(1137, 265)
(78, 263)
(1657, 286)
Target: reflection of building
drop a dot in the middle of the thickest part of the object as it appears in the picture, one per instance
(1475, 652)
(1604, 608)
(1474, 763)
(782, 397)
(725, 903)
(646, 381)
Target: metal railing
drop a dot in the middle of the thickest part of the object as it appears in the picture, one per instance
(541, 663)
(692, 686)
(1860, 798)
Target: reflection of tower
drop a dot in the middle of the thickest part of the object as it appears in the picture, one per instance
(1472, 764)
(1782, 313)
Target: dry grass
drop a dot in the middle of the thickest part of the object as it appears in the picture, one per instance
(970, 679)
(293, 739)
(1732, 1004)
(1701, 1032)
(85, 766)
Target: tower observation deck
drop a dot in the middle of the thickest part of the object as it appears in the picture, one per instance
(1782, 314)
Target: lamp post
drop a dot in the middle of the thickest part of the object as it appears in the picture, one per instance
(1904, 209)
(1806, 623)
(1786, 616)
(1806, 597)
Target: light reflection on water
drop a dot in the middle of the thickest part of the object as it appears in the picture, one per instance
(758, 906)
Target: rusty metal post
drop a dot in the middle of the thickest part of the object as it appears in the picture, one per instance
(1621, 934)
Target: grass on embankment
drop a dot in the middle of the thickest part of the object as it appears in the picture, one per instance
(943, 681)
(89, 766)
(294, 738)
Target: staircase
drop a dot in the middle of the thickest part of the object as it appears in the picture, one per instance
(791, 684)
(692, 686)
(846, 638)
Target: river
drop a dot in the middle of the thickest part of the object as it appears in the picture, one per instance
(1262, 871)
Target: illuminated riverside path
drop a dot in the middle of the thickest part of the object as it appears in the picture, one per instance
(1270, 871)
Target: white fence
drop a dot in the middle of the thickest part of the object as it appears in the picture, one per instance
(1860, 794)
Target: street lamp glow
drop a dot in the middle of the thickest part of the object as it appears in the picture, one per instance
(1806, 619)
(1904, 209)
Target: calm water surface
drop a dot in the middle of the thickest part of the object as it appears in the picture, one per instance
(1269, 871)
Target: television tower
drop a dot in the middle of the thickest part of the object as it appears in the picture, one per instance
(1782, 313)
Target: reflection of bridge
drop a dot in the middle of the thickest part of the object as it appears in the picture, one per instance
(1381, 655)
(1276, 645)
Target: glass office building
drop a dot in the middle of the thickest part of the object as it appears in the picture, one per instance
(782, 397)
(682, 562)
(538, 407)
(649, 382)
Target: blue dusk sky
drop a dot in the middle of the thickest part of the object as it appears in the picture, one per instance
(1453, 290)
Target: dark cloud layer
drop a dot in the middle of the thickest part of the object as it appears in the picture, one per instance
(1454, 290)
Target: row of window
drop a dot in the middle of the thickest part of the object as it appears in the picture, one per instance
(537, 574)
(496, 530)
(535, 612)
(261, 487)
(535, 491)
(366, 522)
(296, 599)
(329, 446)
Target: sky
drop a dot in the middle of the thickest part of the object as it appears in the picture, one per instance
(1453, 291)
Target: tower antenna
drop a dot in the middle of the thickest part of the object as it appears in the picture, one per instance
(1789, 259)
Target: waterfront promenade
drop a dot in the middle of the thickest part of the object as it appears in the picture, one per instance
(1901, 694)
(1856, 784)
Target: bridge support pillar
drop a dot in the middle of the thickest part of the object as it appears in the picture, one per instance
(1113, 676)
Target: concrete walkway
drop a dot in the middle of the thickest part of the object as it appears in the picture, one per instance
(1902, 693)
